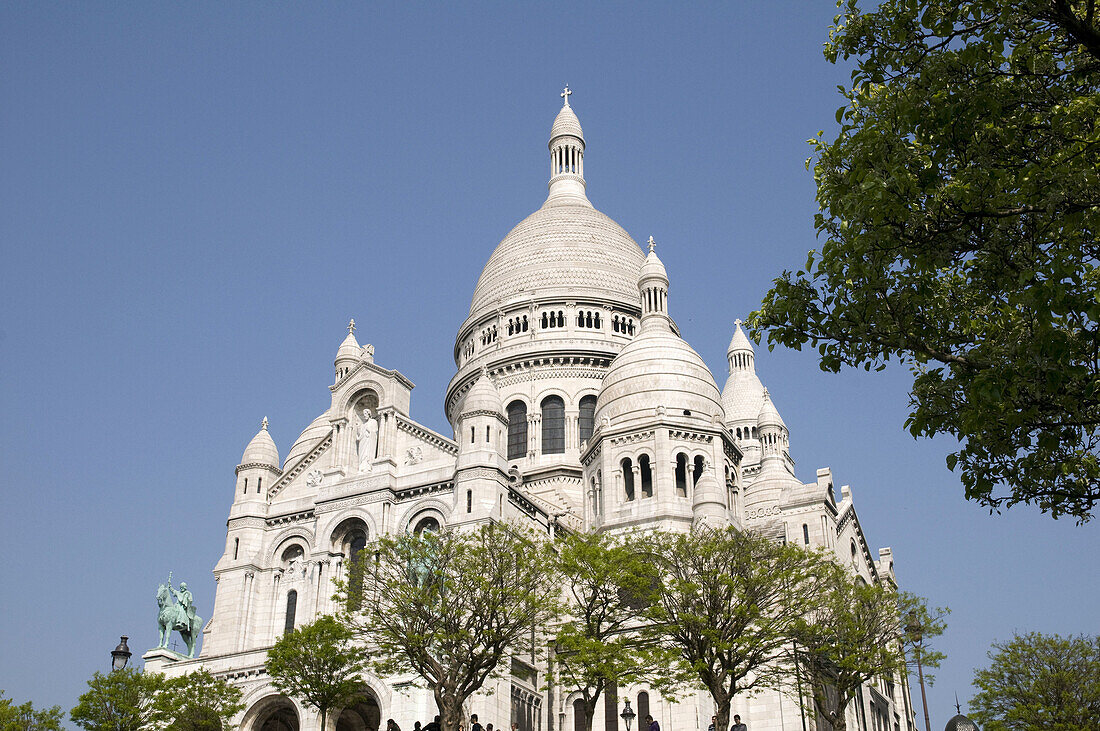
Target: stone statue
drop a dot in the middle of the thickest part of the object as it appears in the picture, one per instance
(179, 617)
(366, 440)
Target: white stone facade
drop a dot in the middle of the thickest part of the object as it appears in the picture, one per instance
(575, 405)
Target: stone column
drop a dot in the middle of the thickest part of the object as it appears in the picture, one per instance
(246, 621)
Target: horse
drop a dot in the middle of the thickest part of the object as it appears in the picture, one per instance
(173, 617)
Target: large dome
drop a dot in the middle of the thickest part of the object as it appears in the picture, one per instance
(562, 248)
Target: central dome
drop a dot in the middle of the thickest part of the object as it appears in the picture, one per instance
(561, 249)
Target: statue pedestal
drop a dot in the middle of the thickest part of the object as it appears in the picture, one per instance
(156, 660)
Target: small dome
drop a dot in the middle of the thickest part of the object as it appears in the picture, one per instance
(262, 449)
(483, 396)
(653, 267)
(707, 490)
(658, 369)
(566, 123)
(742, 397)
(769, 415)
(318, 429)
(349, 349)
(740, 342)
(961, 723)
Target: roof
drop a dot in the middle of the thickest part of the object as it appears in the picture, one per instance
(262, 449)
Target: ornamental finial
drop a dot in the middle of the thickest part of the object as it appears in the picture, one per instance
(737, 322)
(565, 94)
(263, 424)
(351, 326)
(652, 244)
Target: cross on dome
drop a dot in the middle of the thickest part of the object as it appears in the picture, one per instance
(737, 322)
(565, 94)
(263, 424)
(351, 325)
(652, 244)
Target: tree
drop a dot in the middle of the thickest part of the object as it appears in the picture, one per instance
(598, 645)
(922, 623)
(853, 634)
(729, 604)
(1039, 681)
(451, 606)
(26, 718)
(122, 700)
(318, 663)
(197, 701)
(960, 208)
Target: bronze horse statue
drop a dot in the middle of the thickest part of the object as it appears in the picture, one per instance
(174, 617)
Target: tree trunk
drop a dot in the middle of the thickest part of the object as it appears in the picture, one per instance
(590, 711)
(450, 710)
(721, 709)
(324, 719)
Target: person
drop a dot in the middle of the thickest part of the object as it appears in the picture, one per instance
(488, 727)
(416, 726)
(186, 602)
(433, 725)
(737, 725)
(391, 725)
(651, 724)
(474, 725)
(713, 723)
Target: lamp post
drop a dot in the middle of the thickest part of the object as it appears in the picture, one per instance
(120, 655)
(915, 631)
(628, 715)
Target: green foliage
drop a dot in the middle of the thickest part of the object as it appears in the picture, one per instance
(122, 700)
(729, 603)
(608, 585)
(922, 624)
(1040, 682)
(451, 606)
(319, 664)
(960, 205)
(852, 635)
(25, 718)
(197, 701)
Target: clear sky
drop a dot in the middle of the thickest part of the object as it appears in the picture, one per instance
(195, 197)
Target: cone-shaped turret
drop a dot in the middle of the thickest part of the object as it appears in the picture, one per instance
(348, 354)
(708, 504)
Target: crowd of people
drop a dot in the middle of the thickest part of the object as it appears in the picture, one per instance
(650, 725)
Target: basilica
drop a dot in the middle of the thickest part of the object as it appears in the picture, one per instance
(575, 406)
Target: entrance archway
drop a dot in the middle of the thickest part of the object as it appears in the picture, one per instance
(274, 713)
(362, 715)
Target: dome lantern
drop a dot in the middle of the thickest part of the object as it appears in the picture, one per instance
(567, 156)
(653, 289)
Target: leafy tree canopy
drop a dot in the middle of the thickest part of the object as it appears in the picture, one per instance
(1039, 681)
(599, 644)
(197, 701)
(853, 634)
(318, 663)
(451, 606)
(960, 206)
(729, 604)
(122, 700)
(25, 718)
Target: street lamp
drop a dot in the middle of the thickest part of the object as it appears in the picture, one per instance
(120, 655)
(916, 632)
(628, 715)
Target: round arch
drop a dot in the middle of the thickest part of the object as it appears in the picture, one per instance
(430, 507)
(272, 712)
(280, 543)
(362, 389)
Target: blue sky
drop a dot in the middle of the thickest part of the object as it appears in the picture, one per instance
(194, 199)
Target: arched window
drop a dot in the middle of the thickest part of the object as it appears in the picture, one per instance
(259, 484)
(647, 478)
(579, 715)
(586, 420)
(561, 319)
(553, 425)
(597, 320)
(525, 323)
(355, 568)
(698, 469)
(471, 435)
(488, 434)
(643, 705)
(291, 609)
(754, 434)
(628, 479)
(426, 525)
(517, 430)
(681, 475)
(544, 325)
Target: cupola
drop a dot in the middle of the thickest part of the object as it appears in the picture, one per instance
(348, 354)
(708, 504)
(261, 451)
(774, 440)
(653, 288)
(566, 157)
(259, 467)
(743, 394)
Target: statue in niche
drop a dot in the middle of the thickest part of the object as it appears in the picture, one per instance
(366, 440)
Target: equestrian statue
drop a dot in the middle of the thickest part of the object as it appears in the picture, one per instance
(179, 617)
